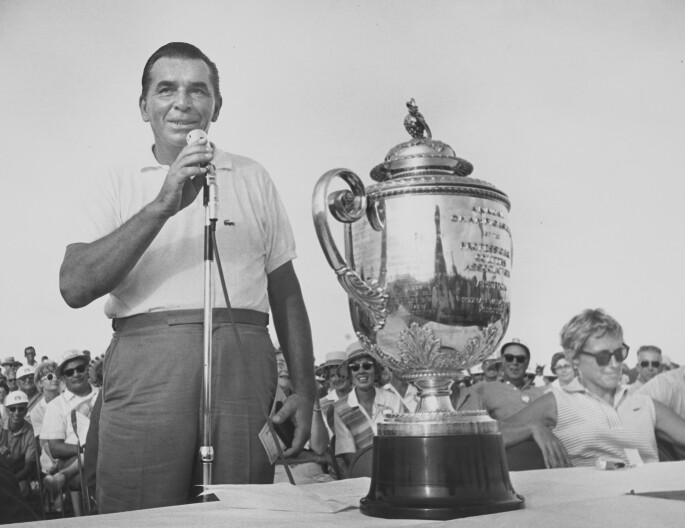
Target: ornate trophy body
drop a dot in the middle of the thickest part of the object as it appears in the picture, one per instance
(427, 265)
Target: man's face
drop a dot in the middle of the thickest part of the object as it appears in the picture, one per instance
(180, 99)
(16, 413)
(75, 376)
(30, 354)
(12, 380)
(515, 362)
(27, 384)
(648, 365)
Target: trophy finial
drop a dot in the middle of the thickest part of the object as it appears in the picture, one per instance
(415, 123)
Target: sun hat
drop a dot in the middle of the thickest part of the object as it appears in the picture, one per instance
(515, 341)
(70, 355)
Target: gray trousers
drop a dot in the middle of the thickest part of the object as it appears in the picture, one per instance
(150, 425)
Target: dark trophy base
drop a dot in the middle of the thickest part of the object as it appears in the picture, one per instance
(439, 477)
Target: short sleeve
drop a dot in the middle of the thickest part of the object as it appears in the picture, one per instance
(658, 389)
(280, 242)
(93, 211)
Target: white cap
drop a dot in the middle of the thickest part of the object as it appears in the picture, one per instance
(68, 356)
(515, 341)
(25, 370)
(16, 398)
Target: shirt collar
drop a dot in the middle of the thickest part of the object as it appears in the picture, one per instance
(576, 386)
(147, 161)
(68, 395)
(19, 431)
(352, 400)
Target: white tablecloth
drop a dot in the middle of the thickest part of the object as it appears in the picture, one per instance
(557, 498)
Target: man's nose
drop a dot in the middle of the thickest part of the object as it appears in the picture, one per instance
(182, 100)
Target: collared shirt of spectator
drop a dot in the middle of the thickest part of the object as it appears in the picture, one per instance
(79, 396)
(358, 413)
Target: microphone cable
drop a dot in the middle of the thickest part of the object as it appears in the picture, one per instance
(260, 397)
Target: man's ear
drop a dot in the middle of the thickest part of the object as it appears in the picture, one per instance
(217, 109)
(142, 104)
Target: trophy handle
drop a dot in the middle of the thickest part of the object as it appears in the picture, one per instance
(346, 207)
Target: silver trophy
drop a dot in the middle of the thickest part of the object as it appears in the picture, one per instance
(427, 266)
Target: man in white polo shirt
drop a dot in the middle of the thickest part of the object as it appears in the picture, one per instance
(141, 242)
(71, 407)
(78, 396)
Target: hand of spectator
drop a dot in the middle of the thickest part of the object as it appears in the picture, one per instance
(552, 449)
(298, 409)
(185, 178)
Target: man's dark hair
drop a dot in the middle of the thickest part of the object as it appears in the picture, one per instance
(180, 50)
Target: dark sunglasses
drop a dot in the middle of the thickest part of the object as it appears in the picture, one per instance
(366, 365)
(655, 364)
(70, 372)
(604, 356)
(14, 409)
(510, 358)
(49, 377)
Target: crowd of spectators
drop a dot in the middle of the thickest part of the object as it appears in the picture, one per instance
(579, 411)
(45, 419)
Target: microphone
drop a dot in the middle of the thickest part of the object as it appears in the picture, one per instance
(194, 137)
(211, 193)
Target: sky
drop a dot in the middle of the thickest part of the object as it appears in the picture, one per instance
(573, 108)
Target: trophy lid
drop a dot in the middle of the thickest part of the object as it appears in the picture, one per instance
(420, 154)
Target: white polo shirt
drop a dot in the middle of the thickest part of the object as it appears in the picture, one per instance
(589, 427)
(253, 234)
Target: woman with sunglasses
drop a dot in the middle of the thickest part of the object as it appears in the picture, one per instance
(593, 416)
(357, 413)
(48, 386)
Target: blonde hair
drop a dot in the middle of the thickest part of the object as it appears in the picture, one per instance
(589, 323)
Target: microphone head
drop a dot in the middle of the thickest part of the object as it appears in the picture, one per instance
(195, 135)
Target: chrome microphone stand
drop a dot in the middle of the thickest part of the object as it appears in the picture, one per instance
(211, 204)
